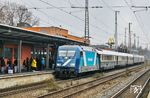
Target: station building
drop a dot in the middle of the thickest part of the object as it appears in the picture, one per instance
(56, 31)
(22, 43)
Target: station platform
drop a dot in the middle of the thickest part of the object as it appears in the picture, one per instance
(148, 95)
(26, 78)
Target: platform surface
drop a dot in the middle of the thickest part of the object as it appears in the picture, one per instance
(23, 74)
(19, 79)
(148, 95)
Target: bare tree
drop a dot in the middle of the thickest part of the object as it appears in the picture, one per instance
(13, 14)
(2, 14)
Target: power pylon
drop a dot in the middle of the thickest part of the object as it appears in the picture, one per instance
(129, 42)
(86, 33)
(116, 31)
(125, 37)
(86, 29)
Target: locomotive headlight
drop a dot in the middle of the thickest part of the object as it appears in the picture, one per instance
(72, 64)
(58, 64)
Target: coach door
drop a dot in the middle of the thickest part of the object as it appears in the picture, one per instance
(117, 59)
(99, 60)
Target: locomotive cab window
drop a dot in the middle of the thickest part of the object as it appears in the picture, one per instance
(81, 53)
(66, 53)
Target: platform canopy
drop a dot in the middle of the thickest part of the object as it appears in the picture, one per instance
(16, 33)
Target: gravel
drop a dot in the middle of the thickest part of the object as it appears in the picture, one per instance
(112, 90)
(116, 84)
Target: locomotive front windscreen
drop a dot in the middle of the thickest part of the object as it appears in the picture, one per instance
(66, 53)
(66, 57)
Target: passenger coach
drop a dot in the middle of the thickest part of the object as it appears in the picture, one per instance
(75, 60)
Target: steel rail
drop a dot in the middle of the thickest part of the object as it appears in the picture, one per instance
(70, 91)
(21, 89)
(116, 95)
(144, 86)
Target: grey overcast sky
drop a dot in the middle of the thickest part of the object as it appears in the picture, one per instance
(102, 20)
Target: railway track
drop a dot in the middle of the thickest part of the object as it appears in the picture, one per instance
(17, 90)
(135, 88)
(80, 88)
(145, 90)
(21, 89)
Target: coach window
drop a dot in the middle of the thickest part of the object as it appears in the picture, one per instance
(129, 58)
(113, 58)
(123, 58)
(109, 57)
(102, 57)
(106, 57)
(119, 58)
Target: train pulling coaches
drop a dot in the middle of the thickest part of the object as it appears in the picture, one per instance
(73, 60)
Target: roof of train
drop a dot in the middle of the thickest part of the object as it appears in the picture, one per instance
(108, 52)
(102, 51)
(87, 48)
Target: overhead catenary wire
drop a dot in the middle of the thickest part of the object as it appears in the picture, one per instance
(122, 17)
(140, 21)
(101, 22)
(70, 3)
(30, 4)
(95, 26)
(111, 8)
(57, 21)
(137, 20)
(93, 18)
(77, 2)
(63, 8)
(142, 24)
(98, 20)
(116, 24)
(39, 10)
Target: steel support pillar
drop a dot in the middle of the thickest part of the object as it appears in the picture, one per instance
(47, 57)
(55, 55)
(19, 55)
(34, 50)
(3, 48)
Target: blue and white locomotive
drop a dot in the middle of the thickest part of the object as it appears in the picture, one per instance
(72, 60)
(75, 60)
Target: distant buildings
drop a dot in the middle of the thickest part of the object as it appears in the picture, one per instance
(56, 31)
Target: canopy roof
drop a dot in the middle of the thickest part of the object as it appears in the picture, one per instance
(16, 33)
